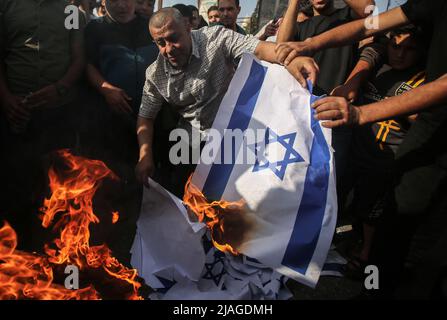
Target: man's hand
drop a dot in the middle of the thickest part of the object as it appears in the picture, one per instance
(287, 51)
(145, 168)
(17, 114)
(346, 91)
(116, 98)
(44, 96)
(270, 30)
(302, 68)
(337, 111)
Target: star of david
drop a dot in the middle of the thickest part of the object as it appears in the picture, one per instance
(279, 167)
(216, 277)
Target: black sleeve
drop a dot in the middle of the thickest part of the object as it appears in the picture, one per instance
(2, 29)
(375, 53)
(92, 43)
(297, 36)
(422, 11)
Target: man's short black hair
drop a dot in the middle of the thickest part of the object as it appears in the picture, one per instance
(213, 8)
(235, 1)
(416, 32)
(193, 8)
(184, 10)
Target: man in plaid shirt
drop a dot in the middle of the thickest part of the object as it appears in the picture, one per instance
(192, 73)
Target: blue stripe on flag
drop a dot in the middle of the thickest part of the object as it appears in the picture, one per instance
(310, 214)
(219, 174)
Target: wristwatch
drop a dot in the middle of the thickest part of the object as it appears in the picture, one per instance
(61, 89)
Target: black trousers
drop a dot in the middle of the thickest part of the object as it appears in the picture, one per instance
(420, 199)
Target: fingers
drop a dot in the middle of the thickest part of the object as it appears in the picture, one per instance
(143, 177)
(36, 103)
(324, 102)
(312, 71)
(118, 100)
(329, 115)
(335, 112)
(303, 68)
(282, 51)
(19, 112)
(126, 96)
(41, 97)
(292, 55)
(38, 95)
(125, 107)
(333, 124)
(300, 78)
(146, 181)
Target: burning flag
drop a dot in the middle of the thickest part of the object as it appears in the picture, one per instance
(283, 203)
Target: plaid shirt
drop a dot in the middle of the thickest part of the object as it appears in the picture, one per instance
(197, 90)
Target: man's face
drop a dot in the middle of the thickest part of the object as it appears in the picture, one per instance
(145, 8)
(228, 12)
(195, 20)
(174, 42)
(213, 16)
(403, 52)
(121, 11)
(321, 5)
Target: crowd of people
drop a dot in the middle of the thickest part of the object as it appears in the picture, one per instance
(114, 88)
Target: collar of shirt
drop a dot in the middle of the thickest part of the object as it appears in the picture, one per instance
(194, 53)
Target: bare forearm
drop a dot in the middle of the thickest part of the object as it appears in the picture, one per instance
(359, 75)
(287, 28)
(357, 30)
(360, 6)
(77, 66)
(408, 103)
(266, 51)
(145, 133)
(95, 78)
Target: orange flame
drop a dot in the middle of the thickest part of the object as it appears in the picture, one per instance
(217, 215)
(29, 276)
(115, 217)
(71, 199)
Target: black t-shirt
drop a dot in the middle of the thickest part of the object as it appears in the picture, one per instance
(374, 145)
(427, 137)
(335, 63)
(121, 53)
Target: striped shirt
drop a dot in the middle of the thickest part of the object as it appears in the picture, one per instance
(197, 90)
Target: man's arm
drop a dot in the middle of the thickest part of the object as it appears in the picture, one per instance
(336, 111)
(151, 102)
(235, 45)
(371, 59)
(360, 7)
(16, 112)
(270, 30)
(145, 167)
(301, 67)
(71, 76)
(115, 97)
(77, 65)
(287, 29)
(343, 35)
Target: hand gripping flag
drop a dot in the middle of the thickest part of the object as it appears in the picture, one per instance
(282, 170)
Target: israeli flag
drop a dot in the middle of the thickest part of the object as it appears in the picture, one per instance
(288, 186)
